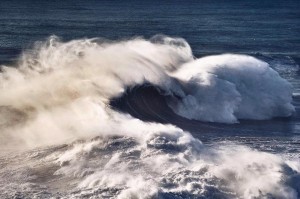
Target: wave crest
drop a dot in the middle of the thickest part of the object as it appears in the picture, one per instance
(62, 91)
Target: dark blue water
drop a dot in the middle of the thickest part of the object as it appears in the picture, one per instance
(269, 27)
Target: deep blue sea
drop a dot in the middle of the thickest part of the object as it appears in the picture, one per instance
(210, 27)
(150, 99)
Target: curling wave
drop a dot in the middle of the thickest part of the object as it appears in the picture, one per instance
(72, 95)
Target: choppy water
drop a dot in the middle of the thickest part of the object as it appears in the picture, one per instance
(134, 114)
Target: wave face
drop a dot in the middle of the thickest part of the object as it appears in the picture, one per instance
(65, 108)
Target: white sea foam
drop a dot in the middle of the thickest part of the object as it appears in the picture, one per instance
(60, 82)
(225, 88)
(173, 162)
(60, 93)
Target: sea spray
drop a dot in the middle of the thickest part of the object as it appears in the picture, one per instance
(59, 95)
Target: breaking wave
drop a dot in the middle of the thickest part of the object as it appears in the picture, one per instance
(73, 97)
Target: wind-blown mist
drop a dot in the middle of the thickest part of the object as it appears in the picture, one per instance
(59, 94)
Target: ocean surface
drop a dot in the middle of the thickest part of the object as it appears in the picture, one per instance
(150, 99)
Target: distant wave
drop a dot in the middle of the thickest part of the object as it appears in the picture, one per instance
(73, 95)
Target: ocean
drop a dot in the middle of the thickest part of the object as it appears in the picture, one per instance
(150, 99)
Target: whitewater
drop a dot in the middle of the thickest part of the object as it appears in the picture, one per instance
(68, 130)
